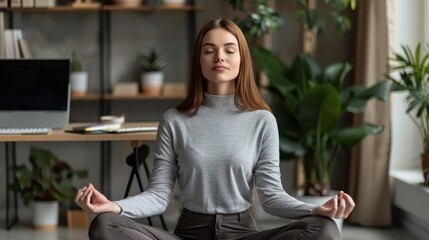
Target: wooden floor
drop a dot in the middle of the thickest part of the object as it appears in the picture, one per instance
(23, 231)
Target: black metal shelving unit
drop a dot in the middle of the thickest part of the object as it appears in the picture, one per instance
(104, 44)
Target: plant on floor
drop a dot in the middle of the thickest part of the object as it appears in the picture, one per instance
(48, 179)
(309, 102)
(412, 71)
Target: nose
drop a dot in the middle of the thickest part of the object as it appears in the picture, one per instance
(219, 58)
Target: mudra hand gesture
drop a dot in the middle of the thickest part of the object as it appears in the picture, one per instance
(92, 201)
(338, 206)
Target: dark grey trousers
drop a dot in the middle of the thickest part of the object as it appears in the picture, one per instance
(200, 226)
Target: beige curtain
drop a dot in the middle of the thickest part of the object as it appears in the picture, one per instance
(369, 178)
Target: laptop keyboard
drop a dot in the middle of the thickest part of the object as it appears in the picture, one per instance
(29, 131)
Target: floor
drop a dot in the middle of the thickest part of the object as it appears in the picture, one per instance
(23, 231)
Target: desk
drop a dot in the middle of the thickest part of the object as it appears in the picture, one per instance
(60, 135)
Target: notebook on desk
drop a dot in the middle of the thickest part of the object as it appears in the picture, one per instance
(34, 93)
(110, 128)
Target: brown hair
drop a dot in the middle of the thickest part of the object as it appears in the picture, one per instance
(246, 95)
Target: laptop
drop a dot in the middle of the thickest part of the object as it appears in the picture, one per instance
(34, 93)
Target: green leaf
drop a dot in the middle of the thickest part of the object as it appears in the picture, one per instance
(288, 145)
(349, 137)
(320, 108)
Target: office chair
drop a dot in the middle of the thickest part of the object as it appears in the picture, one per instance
(134, 160)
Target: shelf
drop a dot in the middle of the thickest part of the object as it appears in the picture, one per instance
(112, 8)
(87, 97)
(141, 96)
(54, 9)
(143, 8)
(145, 97)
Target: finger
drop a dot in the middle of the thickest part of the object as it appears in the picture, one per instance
(334, 207)
(95, 191)
(88, 198)
(84, 194)
(350, 205)
(79, 194)
(341, 208)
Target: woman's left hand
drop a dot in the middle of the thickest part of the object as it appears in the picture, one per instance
(339, 206)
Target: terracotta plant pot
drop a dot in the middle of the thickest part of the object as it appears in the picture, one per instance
(77, 218)
(425, 168)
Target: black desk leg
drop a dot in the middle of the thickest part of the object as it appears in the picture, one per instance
(11, 157)
(134, 161)
(106, 168)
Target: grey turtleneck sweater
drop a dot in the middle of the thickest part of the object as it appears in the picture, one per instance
(216, 156)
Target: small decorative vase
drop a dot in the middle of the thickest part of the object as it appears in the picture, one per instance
(79, 83)
(152, 82)
(45, 215)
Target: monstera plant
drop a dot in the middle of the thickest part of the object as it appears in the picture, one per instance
(309, 103)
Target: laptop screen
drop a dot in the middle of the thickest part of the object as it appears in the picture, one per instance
(33, 84)
(34, 92)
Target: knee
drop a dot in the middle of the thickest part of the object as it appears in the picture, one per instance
(101, 226)
(326, 227)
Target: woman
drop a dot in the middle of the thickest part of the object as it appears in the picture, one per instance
(218, 143)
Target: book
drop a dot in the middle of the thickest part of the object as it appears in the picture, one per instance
(111, 128)
(15, 3)
(3, 4)
(24, 49)
(96, 128)
(27, 3)
(2, 37)
(9, 49)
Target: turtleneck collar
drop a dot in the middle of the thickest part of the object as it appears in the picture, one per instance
(219, 101)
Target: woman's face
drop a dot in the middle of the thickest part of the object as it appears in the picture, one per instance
(220, 59)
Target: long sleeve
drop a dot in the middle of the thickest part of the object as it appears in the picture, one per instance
(274, 199)
(155, 199)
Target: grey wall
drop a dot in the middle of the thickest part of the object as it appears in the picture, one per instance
(56, 35)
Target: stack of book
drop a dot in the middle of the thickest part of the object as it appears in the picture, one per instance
(12, 42)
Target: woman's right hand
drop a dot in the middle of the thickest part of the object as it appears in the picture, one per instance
(92, 201)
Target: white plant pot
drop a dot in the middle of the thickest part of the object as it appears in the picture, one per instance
(79, 83)
(152, 82)
(45, 215)
(319, 200)
(174, 3)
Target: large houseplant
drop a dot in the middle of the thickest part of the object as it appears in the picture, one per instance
(48, 180)
(410, 73)
(309, 102)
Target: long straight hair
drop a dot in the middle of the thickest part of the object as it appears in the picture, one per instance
(246, 95)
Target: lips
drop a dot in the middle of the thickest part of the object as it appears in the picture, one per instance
(219, 68)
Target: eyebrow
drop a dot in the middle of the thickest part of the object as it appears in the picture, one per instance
(226, 44)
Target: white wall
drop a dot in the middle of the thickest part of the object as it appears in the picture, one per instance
(406, 140)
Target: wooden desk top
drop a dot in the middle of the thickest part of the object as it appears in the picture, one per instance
(61, 136)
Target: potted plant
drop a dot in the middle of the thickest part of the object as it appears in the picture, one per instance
(152, 76)
(412, 71)
(78, 76)
(309, 102)
(45, 184)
